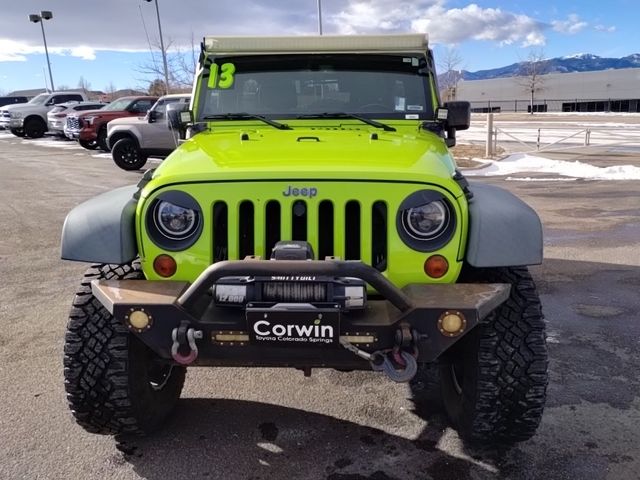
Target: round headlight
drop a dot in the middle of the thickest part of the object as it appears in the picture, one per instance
(426, 221)
(174, 221)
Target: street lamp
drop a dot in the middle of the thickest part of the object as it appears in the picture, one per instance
(35, 18)
(164, 53)
(320, 17)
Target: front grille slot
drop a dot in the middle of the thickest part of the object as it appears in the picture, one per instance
(325, 229)
(246, 218)
(220, 232)
(379, 236)
(349, 230)
(352, 231)
(272, 226)
(299, 220)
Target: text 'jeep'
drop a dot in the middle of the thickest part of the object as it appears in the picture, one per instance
(314, 218)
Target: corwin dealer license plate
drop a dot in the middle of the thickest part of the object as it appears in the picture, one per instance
(291, 328)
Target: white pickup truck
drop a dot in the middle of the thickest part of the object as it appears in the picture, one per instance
(30, 119)
(134, 139)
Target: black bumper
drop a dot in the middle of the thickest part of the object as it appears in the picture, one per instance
(418, 309)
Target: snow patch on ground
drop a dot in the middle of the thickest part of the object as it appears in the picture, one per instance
(522, 162)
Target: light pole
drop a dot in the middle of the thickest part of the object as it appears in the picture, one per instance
(35, 18)
(164, 53)
(320, 17)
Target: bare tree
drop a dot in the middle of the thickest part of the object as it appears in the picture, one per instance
(181, 65)
(157, 88)
(530, 75)
(450, 64)
(84, 85)
(110, 91)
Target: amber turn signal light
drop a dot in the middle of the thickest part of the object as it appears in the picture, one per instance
(436, 266)
(164, 265)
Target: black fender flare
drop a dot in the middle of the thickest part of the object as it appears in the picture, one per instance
(503, 230)
(102, 229)
(111, 140)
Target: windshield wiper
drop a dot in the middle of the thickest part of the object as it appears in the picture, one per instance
(368, 121)
(248, 116)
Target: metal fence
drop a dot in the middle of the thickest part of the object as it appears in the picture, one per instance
(555, 105)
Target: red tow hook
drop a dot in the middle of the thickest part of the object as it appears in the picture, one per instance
(191, 335)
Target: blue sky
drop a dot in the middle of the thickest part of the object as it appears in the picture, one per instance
(105, 42)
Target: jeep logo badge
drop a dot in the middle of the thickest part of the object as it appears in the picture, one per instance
(300, 192)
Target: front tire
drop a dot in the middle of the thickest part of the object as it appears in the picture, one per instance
(34, 128)
(102, 139)
(127, 155)
(18, 132)
(494, 381)
(114, 383)
(88, 144)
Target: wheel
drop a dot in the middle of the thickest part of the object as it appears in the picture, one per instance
(114, 383)
(494, 382)
(34, 128)
(127, 156)
(102, 139)
(88, 144)
(18, 132)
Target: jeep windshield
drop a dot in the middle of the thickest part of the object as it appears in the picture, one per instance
(317, 86)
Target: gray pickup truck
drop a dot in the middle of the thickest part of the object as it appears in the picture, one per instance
(132, 140)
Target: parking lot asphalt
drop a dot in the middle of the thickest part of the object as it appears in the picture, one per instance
(277, 424)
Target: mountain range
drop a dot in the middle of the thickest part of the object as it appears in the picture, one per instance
(581, 62)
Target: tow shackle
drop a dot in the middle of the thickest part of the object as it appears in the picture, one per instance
(191, 335)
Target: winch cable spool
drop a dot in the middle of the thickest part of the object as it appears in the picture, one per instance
(294, 292)
(381, 362)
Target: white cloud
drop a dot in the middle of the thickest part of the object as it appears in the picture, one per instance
(444, 25)
(570, 26)
(16, 51)
(604, 28)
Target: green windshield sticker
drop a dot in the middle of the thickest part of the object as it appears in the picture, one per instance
(221, 76)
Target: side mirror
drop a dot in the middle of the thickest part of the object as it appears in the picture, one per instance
(458, 115)
(178, 117)
(455, 116)
(152, 116)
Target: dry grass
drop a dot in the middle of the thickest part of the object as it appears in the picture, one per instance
(465, 153)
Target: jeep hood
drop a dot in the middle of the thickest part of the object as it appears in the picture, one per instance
(407, 154)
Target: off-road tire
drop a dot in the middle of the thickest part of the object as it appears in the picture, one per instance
(494, 384)
(127, 155)
(18, 132)
(107, 370)
(88, 144)
(34, 128)
(101, 139)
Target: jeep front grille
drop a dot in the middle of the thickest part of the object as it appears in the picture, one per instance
(351, 230)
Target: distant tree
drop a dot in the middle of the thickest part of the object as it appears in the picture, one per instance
(157, 88)
(110, 91)
(84, 84)
(63, 87)
(530, 75)
(2, 92)
(449, 64)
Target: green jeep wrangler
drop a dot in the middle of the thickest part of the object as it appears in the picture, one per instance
(312, 218)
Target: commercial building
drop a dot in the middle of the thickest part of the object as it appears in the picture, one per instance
(604, 90)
